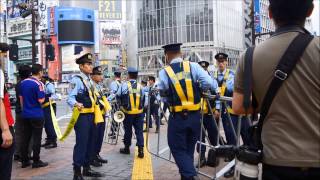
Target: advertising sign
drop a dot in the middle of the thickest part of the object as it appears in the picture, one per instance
(19, 27)
(257, 17)
(13, 9)
(43, 12)
(110, 33)
(110, 9)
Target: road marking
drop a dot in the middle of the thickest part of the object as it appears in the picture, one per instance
(64, 117)
(142, 168)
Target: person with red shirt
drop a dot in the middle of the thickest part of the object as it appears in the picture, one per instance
(6, 130)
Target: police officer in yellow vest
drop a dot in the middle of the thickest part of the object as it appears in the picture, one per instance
(81, 97)
(209, 117)
(180, 85)
(51, 140)
(225, 79)
(97, 77)
(132, 102)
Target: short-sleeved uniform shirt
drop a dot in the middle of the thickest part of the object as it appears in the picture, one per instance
(31, 91)
(291, 130)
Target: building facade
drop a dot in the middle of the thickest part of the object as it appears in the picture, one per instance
(205, 27)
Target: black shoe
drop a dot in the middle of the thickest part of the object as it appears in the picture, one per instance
(229, 173)
(25, 164)
(95, 163)
(51, 145)
(78, 177)
(157, 130)
(140, 152)
(45, 144)
(77, 173)
(100, 159)
(125, 150)
(17, 157)
(202, 163)
(91, 173)
(39, 164)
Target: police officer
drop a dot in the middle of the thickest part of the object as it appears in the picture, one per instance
(51, 140)
(97, 77)
(209, 118)
(180, 84)
(115, 86)
(132, 102)
(225, 79)
(82, 97)
(154, 96)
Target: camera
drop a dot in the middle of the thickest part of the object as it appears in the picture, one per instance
(248, 159)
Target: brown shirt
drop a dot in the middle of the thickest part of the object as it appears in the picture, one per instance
(291, 130)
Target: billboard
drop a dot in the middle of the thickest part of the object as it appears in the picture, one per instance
(110, 33)
(257, 16)
(12, 8)
(110, 9)
(43, 12)
(19, 27)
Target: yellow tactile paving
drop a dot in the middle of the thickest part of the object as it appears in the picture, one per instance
(142, 168)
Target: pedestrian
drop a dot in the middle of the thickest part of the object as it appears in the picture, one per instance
(31, 97)
(24, 72)
(290, 130)
(6, 130)
(153, 94)
(81, 97)
(180, 84)
(115, 86)
(132, 102)
(97, 77)
(225, 79)
(209, 118)
(51, 140)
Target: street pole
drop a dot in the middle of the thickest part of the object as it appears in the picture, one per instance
(253, 24)
(33, 34)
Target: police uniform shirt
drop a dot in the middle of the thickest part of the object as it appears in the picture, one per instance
(114, 88)
(77, 86)
(147, 89)
(198, 74)
(124, 90)
(49, 88)
(229, 82)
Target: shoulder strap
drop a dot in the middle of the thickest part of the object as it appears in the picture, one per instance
(283, 70)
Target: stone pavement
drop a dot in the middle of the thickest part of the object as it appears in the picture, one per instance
(119, 166)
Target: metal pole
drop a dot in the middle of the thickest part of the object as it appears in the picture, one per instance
(253, 24)
(33, 40)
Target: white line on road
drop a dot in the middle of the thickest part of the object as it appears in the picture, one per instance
(64, 117)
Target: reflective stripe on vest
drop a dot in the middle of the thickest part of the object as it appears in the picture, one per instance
(224, 87)
(134, 102)
(186, 101)
(206, 107)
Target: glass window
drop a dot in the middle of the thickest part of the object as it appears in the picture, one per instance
(192, 33)
(188, 33)
(211, 32)
(197, 30)
(210, 15)
(174, 17)
(162, 18)
(202, 33)
(170, 17)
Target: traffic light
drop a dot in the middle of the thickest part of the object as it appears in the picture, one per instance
(13, 52)
(50, 52)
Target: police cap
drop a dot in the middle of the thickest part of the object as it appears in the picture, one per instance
(97, 70)
(132, 70)
(221, 56)
(203, 63)
(86, 58)
(172, 47)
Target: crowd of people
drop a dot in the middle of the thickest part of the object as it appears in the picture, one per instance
(285, 94)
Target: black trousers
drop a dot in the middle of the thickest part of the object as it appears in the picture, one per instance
(293, 173)
(6, 155)
(32, 128)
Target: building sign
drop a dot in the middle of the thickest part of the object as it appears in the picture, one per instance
(13, 9)
(110, 33)
(257, 17)
(110, 9)
(19, 27)
(43, 14)
(51, 21)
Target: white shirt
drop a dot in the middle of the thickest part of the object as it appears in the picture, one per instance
(1, 84)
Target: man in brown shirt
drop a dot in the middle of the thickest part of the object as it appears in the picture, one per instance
(291, 129)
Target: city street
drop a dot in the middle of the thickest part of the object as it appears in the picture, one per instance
(119, 166)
